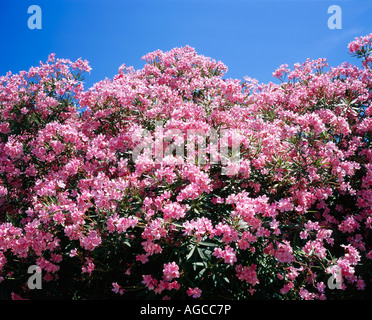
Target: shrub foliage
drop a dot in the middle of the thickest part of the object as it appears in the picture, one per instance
(286, 215)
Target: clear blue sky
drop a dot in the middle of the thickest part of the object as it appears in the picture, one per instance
(252, 37)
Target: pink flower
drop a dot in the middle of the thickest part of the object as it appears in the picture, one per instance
(154, 230)
(228, 233)
(174, 285)
(354, 46)
(284, 253)
(247, 274)
(217, 200)
(142, 257)
(306, 295)
(360, 284)
(321, 286)
(91, 241)
(13, 148)
(369, 255)
(194, 292)
(116, 288)
(59, 217)
(4, 127)
(88, 267)
(281, 71)
(15, 296)
(304, 234)
(3, 191)
(198, 228)
(228, 254)
(349, 225)
(287, 287)
(173, 211)
(73, 253)
(150, 282)
(315, 247)
(170, 271)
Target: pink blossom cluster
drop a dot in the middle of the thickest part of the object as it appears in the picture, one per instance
(274, 223)
(247, 274)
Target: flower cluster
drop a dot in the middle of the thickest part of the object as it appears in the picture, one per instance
(271, 195)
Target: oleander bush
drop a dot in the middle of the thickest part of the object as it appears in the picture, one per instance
(173, 182)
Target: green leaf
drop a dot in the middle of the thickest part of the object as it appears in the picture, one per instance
(208, 244)
(190, 254)
(201, 254)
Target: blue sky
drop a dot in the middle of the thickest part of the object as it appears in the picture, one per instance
(252, 37)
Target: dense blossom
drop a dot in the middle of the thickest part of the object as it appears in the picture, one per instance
(173, 181)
